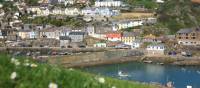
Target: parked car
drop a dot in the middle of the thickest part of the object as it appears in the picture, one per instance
(54, 53)
(63, 53)
(186, 54)
(173, 53)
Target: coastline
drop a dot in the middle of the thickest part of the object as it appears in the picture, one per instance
(162, 60)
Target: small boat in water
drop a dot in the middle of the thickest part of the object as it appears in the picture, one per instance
(198, 72)
(147, 61)
(122, 74)
(188, 86)
(183, 69)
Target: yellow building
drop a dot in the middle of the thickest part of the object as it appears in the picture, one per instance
(24, 34)
(128, 38)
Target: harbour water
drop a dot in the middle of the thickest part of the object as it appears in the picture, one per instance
(180, 76)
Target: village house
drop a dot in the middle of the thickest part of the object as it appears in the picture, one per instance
(100, 45)
(156, 49)
(86, 2)
(1, 34)
(64, 41)
(99, 11)
(65, 31)
(188, 36)
(44, 1)
(99, 30)
(126, 24)
(106, 12)
(72, 11)
(160, 1)
(88, 11)
(108, 3)
(128, 38)
(136, 44)
(28, 34)
(50, 33)
(151, 38)
(66, 2)
(58, 11)
(113, 36)
(77, 36)
(44, 12)
(34, 10)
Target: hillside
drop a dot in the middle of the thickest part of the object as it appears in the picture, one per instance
(176, 14)
(23, 73)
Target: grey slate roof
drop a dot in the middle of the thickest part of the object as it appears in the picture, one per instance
(158, 45)
(186, 30)
(64, 38)
(77, 33)
(129, 34)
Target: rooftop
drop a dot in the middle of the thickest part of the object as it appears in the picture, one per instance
(64, 38)
(77, 33)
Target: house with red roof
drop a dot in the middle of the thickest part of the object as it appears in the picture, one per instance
(113, 36)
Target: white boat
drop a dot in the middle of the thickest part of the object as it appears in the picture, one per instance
(198, 72)
(183, 69)
(147, 61)
(188, 86)
(121, 74)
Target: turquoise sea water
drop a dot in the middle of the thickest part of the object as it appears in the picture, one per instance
(180, 76)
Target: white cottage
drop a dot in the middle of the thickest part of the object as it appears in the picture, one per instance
(108, 3)
(155, 49)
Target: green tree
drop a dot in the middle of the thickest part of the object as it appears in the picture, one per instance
(177, 14)
(31, 2)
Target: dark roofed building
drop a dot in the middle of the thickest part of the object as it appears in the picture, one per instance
(77, 36)
(128, 37)
(64, 41)
(189, 36)
(186, 30)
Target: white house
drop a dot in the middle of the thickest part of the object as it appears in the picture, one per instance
(126, 24)
(100, 45)
(160, 1)
(155, 49)
(51, 33)
(57, 11)
(136, 44)
(72, 11)
(103, 11)
(88, 11)
(108, 3)
(1, 36)
(66, 2)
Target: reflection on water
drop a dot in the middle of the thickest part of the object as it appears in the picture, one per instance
(180, 76)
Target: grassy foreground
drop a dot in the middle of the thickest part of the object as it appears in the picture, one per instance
(23, 73)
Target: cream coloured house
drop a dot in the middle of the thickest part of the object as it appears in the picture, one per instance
(108, 3)
(72, 11)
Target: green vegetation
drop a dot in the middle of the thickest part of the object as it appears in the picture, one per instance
(31, 2)
(24, 73)
(8, 6)
(150, 4)
(177, 14)
(54, 21)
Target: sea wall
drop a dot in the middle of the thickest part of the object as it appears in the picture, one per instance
(95, 58)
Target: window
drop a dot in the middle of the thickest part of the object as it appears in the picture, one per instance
(193, 34)
(193, 37)
(179, 37)
(186, 37)
(186, 34)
